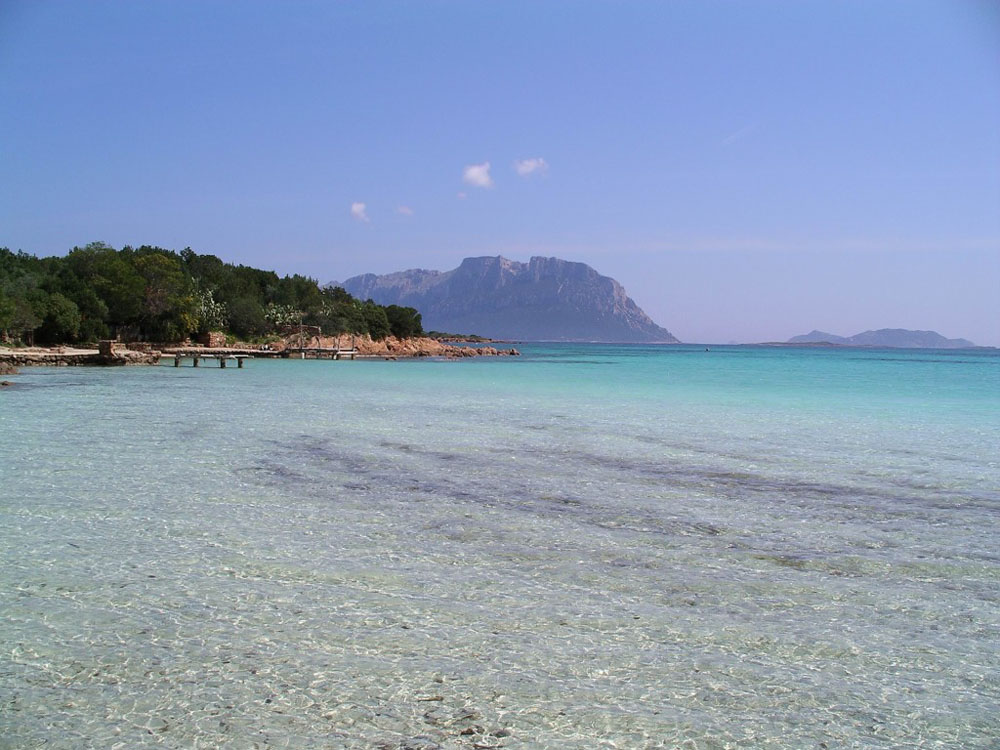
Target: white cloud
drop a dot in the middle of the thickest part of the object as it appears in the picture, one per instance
(405, 211)
(478, 175)
(525, 167)
(358, 212)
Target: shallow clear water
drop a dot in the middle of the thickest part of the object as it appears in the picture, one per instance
(586, 547)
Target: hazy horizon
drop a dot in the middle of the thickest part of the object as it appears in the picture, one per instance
(748, 171)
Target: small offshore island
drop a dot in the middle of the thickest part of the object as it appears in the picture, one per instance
(101, 306)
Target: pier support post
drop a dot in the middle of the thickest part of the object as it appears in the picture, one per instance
(239, 362)
(177, 360)
(222, 361)
(195, 360)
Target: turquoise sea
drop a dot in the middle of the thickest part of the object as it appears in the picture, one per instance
(588, 546)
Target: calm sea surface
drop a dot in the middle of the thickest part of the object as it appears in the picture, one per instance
(584, 547)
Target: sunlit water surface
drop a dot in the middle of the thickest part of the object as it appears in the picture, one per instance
(585, 547)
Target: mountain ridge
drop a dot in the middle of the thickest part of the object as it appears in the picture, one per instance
(900, 338)
(545, 299)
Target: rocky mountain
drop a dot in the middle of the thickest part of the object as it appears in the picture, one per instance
(888, 337)
(545, 299)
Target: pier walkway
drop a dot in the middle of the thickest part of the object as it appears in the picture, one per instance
(196, 358)
(321, 352)
(225, 355)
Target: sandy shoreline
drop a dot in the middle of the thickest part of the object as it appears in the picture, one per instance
(121, 354)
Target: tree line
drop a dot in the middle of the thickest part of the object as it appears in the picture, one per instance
(152, 294)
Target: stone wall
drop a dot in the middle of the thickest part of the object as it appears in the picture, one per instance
(212, 339)
(109, 353)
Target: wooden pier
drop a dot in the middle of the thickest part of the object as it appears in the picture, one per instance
(196, 358)
(321, 352)
(224, 356)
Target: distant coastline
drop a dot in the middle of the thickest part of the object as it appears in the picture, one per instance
(832, 345)
(899, 338)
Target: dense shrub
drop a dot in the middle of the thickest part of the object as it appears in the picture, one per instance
(149, 293)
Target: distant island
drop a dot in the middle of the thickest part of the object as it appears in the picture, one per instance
(899, 338)
(545, 299)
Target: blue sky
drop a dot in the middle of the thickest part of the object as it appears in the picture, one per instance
(748, 170)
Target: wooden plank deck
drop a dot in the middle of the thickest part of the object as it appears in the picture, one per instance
(224, 355)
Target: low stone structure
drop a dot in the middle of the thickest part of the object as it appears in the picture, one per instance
(212, 339)
(108, 353)
(108, 347)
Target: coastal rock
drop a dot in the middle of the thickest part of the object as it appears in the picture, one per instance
(392, 347)
(129, 357)
(544, 299)
(7, 368)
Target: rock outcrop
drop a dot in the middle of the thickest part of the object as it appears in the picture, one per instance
(546, 299)
(393, 347)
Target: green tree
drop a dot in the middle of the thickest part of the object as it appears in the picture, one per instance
(30, 303)
(170, 307)
(7, 310)
(299, 292)
(404, 322)
(93, 314)
(61, 322)
(115, 282)
(246, 318)
(375, 320)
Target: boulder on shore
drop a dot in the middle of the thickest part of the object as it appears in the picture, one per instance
(7, 368)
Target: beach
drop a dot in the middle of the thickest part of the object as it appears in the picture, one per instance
(304, 347)
(587, 546)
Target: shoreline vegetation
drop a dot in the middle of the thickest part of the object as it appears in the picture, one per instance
(150, 294)
(101, 306)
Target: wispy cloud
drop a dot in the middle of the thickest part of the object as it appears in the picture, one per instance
(478, 175)
(739, 135)
(536, 165)
(358, 212)
(461, 195)
(405, 211)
